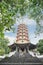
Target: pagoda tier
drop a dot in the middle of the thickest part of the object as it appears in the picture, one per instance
(24, 34)
(20, 29)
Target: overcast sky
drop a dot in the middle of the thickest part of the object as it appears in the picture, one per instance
(31, 25)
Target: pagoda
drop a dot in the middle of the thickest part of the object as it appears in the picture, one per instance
(22, 39)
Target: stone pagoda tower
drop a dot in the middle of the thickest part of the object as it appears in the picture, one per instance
(22, 39)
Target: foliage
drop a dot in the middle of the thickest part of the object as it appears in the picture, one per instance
(35, 10)
(40, 46)
(4, 49)
(6, 17)
(8, 13)
(9, 10)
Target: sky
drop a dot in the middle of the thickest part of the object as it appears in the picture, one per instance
(31, 25)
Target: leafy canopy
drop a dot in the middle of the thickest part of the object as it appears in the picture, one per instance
(40, 46)
(10, 8)
(4, 49)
